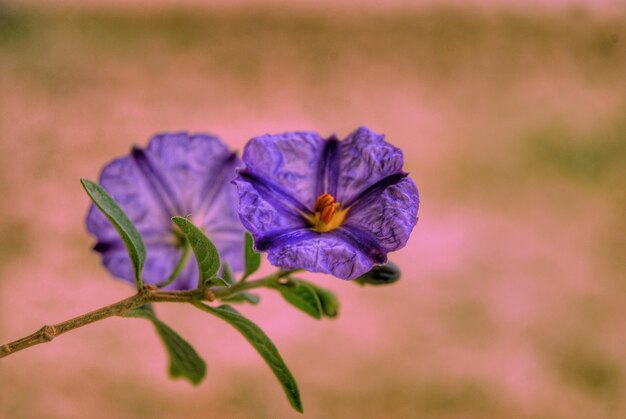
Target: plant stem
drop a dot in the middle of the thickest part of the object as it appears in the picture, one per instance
(49, 332)
(145, 296)
(225, 292)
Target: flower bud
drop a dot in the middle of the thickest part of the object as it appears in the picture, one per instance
(380, 275)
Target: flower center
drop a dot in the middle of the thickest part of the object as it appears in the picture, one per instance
(328, 214)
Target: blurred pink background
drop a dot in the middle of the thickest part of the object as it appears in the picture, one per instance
(512, 117)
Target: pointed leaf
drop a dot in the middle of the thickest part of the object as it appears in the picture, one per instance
(328, 300)
(301, 296)
(243, 297)
(125, 228)
(252, 259)
(264, 346)
(227, 274)
(218, 280)
(230, 309)
(183, 359)
(207, 256)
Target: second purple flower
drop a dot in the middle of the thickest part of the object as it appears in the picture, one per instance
(177, 174)
(326, 205)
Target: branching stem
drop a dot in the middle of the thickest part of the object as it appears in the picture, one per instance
(145, 296)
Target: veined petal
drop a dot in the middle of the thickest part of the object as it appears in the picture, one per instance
(228, 241)
(197, 165)
(389, 213)
(201, 168)
(290, 160)
(161, 258)
(329, 168)
(363, 241)
(366, 158)
(321, 252)
(123, 180)
(259, 211)
(284, 237)
(375, 189)
(158, 180)
(273, 193)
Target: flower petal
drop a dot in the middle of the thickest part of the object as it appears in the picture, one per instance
(259, 210)
(161, 258)
(198, 166)
(291, 160)
(201, 168)
(158, 180)
(389, 214)
(123, 180)
(279, 238)
(229, 242)
(329, 168)
(320, 252)
(273, 194)
(366, 158)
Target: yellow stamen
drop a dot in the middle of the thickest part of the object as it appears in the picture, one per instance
(323, 201)
(328, 214)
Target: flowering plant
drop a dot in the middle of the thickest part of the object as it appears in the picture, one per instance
(315, 204)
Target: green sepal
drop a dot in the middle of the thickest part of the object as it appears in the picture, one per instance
(207, 256)
(125, 228)
(252, 259)
(184, 361)
(263, 345)
(300, 295)
(380, 275)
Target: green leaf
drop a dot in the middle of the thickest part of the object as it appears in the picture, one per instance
(240, 297)
(252, 259)
(228, 274)
(330, 303)
(302, 296)
(328, 300)
(207, 257)
(183, 359)
(125, 228)
(264, 346)
(243, 297)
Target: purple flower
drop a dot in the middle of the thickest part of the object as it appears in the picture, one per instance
(177, 174)
(327, 206)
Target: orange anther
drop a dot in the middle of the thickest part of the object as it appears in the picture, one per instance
(328, 212)
(323, 201)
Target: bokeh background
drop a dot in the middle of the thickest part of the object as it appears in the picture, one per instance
(512, 117)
